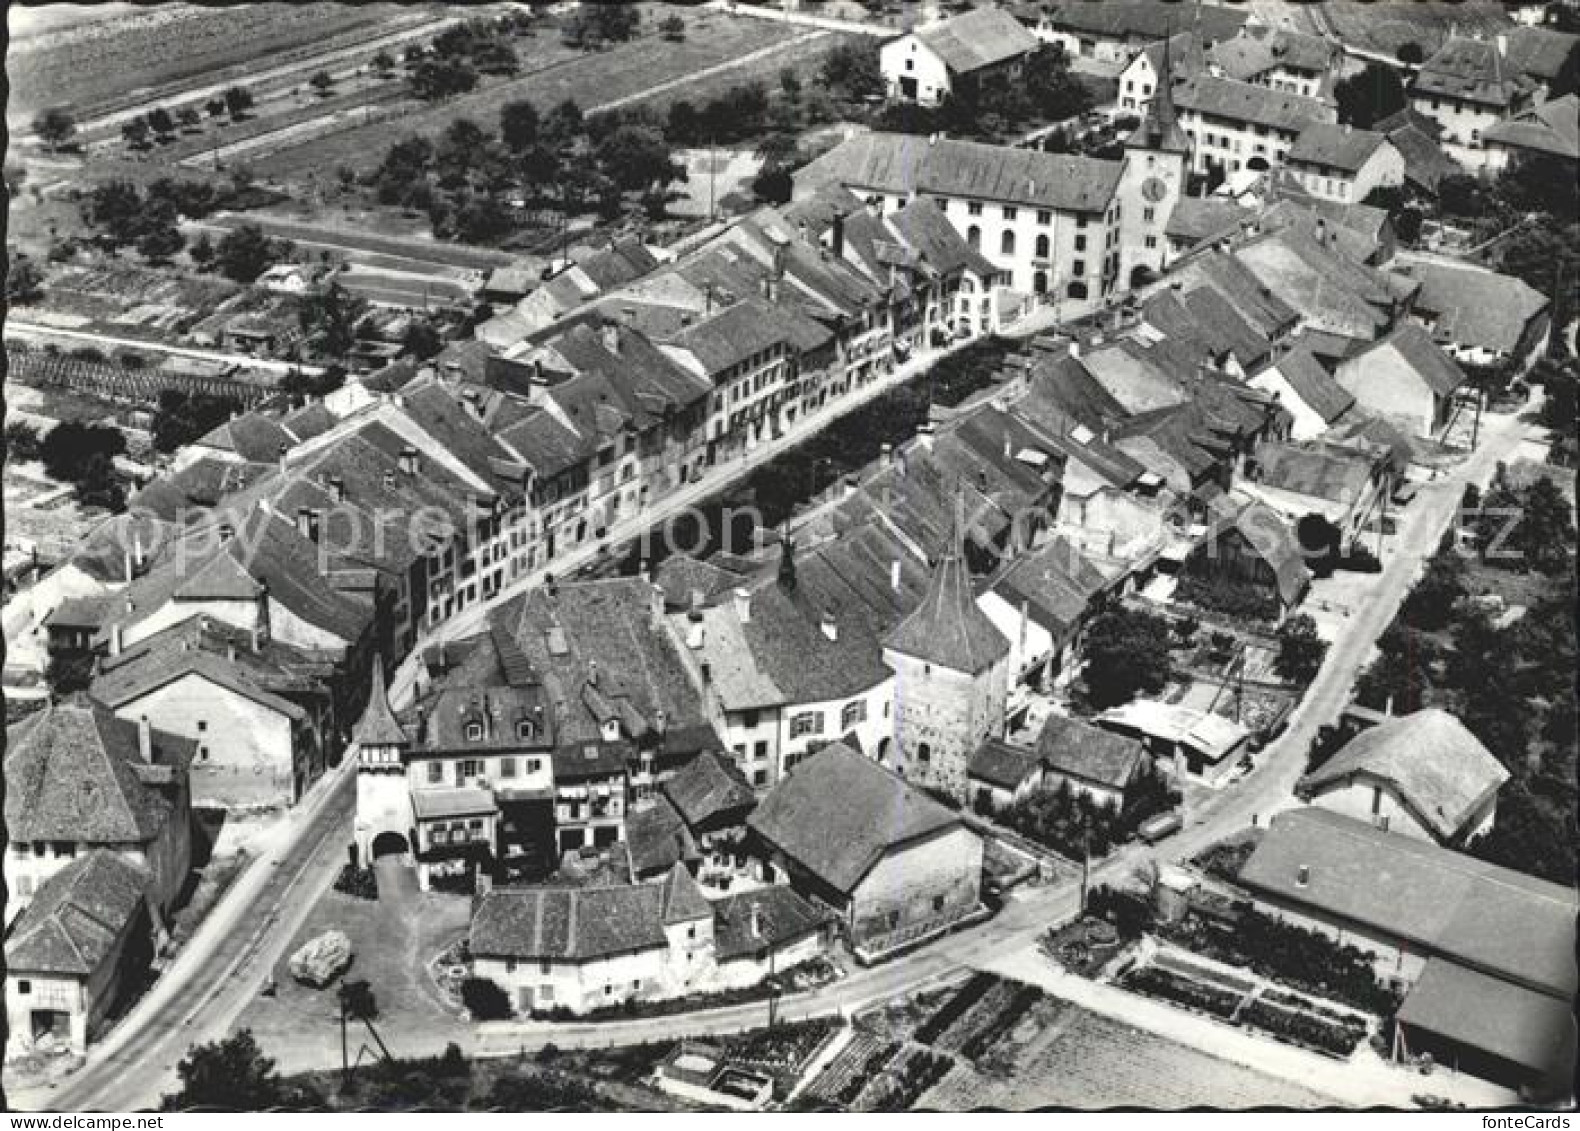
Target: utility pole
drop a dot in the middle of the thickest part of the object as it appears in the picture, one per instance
(1086, 862)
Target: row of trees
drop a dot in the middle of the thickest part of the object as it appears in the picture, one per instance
(161, 125)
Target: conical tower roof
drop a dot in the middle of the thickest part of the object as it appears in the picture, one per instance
(378, 725)
(948, 628)
(1160, 129)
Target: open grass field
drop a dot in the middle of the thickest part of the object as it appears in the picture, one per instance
(595, 80)
(411, 250)
(1384, 26)
(98, 65)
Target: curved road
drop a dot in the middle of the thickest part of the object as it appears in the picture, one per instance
(230, 959)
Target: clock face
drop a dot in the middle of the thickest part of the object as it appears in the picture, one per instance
(1154, 189)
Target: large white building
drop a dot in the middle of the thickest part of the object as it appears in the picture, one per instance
(931, 63)
(1343, 164)
(1239, 125)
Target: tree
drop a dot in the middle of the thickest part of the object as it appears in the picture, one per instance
(135, 132)
(68, 672)
(227, 1075)
(238, 100)
(1365, 98)
(612, 20)
(322, 83)
(1430, 604)
(436, 79)
(635, 157)
(565, 125)
(22, 441)
(24, 282)
(682, 125)
(215, 107)
(244, 253)
(161, 122)
(160, 242)
(421, 340)
(482, 219)
(1300, 650)
(486, 1000)
(518, 125)
(1539, 183)
(189, 118)
(116, 207)
(202, 251)
(853, 71)
(672, 28)
(55, 127)
(1053, 92)
(332, 314)
(1546, 534)
(1126, 653)
(180, 418)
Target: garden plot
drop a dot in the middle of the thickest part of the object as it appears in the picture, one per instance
(126, 296)
(849, 1073)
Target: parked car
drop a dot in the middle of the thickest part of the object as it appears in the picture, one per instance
(1154, 829)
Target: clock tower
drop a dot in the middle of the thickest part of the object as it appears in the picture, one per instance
(1157, 157)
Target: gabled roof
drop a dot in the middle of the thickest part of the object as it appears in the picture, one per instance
(656, 839)
(838, 813)
(1414, 345)
(1425, 161)
(1440, 769)
(253, 436)
(1540, 52)
(1427, 897)
(1335, 147)
(1197, 218)
(1002, 764)
(1474, 306)
(906, 164)
(750, 922)
(1533, 1030)
(709, 787)
(72, 774)
(982, 37)
(1246, 102)
(1313, 384)
(1078, 749)
(1552, 128)
(71, 926)
(1471, 70)
(1057, 584)
(1319, 472)
(948, 628)
(683, 899)
(1258, 50)
(569, 924)
(1264, 531)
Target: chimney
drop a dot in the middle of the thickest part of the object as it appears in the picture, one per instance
(894, 575)
(145, 740)
(743, 606)
(284, 450)
(801, 230)
(757, 920)
(337, 488)
(655, 605)
(924, 436)
(130, 571)
(255, 637)
(850, 486)
(707, 673)
(1502, 43)
(1302, 876)
(1009, 448)
(888, 455)
(830, 629)
(307, 523)
(408, 460)
(660, 720)
(611, 337)
(592, 672)
(230, 651)
(837, 237)
(226, 532)
(115, 640)
(1075, 348)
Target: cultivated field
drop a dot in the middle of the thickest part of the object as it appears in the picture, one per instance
(550, 74)
(1386, 25)
(1061, 1055)
(98, 66)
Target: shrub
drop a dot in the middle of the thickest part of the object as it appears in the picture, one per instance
(486, 1000)
(358, 882)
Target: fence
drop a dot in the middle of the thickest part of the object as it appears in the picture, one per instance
(45, 368)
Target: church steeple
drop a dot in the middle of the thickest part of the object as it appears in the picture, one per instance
(1160, 128)
(378, 727)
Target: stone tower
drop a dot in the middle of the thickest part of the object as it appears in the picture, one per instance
(1157, 160)
(383, 799)
(951, 678)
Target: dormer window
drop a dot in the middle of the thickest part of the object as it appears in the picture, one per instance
(474, 732)
(525, 729)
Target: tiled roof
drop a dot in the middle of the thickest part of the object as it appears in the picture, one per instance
(1057, 584)
(432, 804)
(1540, 52)
(838, 813)
(72, 775)
(1246, 102)
(252, 436)
(1137, 377)
(733, 335)
(1332, 292)
(1470, 70)
(569, 924)
(1533, 1030)
(1427, 897)
(1474, 306)
(709, 788)
(1061, 392)
(979, 38)
(80, 612)
(656, 839)
(1197, 218)
(1081, 750)
(1265, 532)
(377, 726)
(1321, 473)
(1440, 769)
(1258, 50)
(683, 899)
(948, 628)
(1552, 128)
(1268, 314)
(780, 915)
(75, 918)
(582, 760)
(1314, 385)
(1414, 344)
(682, 577)
(1002, 764)
(1425, 161)
(906, 164)
(1335, 147)
(939, 243)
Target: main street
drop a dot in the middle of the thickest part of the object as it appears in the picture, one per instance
(233, 954)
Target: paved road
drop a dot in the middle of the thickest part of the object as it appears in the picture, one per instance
(29, 331)
(231, 955)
